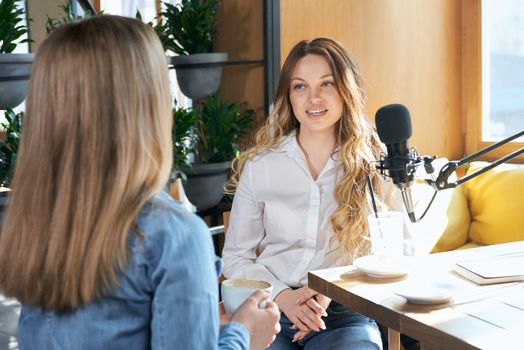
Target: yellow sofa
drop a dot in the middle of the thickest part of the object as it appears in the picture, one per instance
(487, 209)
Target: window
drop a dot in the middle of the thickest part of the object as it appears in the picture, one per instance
(22, 47)
(503, 68)
(493, 74)
(147, 8)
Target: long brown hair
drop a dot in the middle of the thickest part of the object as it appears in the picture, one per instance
(357, 140)
(95, 147)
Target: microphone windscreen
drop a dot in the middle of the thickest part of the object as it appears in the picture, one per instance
(393, 124)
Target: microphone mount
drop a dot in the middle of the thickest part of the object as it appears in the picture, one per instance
(386, 164)
(393, 166)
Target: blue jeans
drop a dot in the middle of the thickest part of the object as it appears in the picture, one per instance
(345, 329)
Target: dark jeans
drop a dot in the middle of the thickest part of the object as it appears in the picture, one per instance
(345, 329)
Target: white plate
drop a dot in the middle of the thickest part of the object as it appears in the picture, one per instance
(374, 267)
(427, 294)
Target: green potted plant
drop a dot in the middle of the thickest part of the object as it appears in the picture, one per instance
(187, 29)
(8, 151)
(68, 16)
(219, 125)
(14, 67)
(9, 145)
(183, 138)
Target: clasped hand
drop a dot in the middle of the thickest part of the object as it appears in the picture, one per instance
(304, 307)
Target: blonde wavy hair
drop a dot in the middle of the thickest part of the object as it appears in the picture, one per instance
(95, 147)
(357, 141)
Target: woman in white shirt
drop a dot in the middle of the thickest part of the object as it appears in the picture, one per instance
(301, 199)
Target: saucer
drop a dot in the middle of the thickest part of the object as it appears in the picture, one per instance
(375, 267)
(426, 294)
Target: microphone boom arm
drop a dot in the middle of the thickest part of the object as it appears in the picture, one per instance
(442, 183)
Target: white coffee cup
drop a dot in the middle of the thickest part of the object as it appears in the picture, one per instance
(236, 291)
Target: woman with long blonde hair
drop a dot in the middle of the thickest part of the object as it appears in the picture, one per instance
(301, 198)
(99, 256)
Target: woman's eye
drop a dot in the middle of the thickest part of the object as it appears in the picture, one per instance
(328, 84)
(298, 87)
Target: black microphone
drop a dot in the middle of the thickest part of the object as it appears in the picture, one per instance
(394, 129)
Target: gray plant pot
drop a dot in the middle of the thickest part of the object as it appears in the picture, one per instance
(15, 69)
(199, 75)
(205, 184)
(3, 205)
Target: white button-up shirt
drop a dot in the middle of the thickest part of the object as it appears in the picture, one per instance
(283, 212)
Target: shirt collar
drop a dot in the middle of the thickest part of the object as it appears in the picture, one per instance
(289, 145)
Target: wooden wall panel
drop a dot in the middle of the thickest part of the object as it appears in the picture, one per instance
(409, 52)
(240, 24)
(38, 10)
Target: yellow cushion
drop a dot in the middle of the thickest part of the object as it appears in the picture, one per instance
(458, 219)
(496, 202)
(470, 245)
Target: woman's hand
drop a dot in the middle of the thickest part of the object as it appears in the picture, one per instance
(302, 309)
(262, 324)
(319, 299)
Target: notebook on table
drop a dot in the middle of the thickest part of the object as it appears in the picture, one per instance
(492, 270)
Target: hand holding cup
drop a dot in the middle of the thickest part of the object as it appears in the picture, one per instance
(250, 304)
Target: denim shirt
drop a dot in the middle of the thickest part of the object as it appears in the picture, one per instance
(166, 298)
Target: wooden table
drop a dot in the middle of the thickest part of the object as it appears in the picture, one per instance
(478, 317)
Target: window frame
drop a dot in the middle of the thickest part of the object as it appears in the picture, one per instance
(472, 85)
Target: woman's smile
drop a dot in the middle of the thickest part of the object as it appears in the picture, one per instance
(317, 113)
